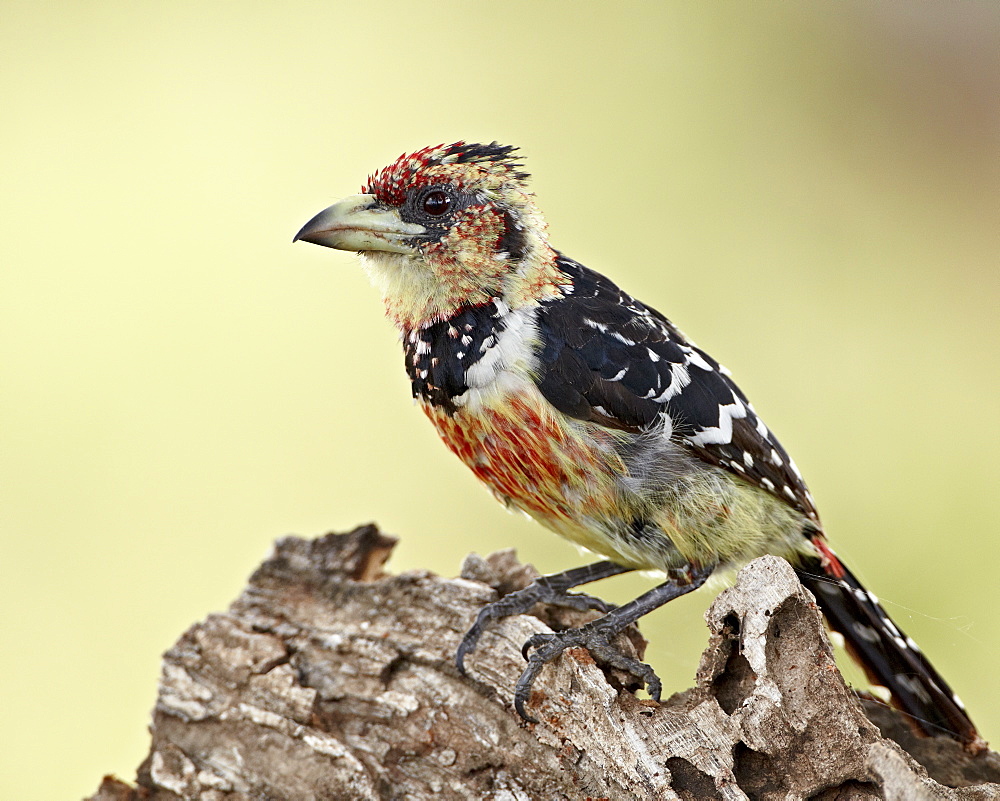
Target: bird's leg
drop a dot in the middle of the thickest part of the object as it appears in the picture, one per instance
(547, 589)
(596, 636)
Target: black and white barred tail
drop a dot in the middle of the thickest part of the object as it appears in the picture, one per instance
(888, 656)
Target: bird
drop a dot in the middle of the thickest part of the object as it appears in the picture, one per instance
(587, 409)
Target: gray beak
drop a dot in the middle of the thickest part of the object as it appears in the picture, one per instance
(361, 223)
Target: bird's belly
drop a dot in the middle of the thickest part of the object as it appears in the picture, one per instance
(534, 461)
(571, 477)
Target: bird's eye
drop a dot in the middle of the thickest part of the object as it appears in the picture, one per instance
(436, 203)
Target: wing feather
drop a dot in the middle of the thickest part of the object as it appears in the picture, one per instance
(611, 360)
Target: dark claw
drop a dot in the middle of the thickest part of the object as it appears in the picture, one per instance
(522, 690)
(471, 637)
(516, 603)
(595, 638)
(534, 641)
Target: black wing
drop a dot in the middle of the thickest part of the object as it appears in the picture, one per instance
(612, 360)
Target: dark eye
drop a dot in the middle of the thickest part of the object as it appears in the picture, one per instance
(436, 203)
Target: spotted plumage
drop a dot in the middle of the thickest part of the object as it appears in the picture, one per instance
(590, 411)
(439, 356)
(610, 359)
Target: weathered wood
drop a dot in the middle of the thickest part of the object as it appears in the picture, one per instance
(328, 679)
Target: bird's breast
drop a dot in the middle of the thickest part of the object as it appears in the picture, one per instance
(473, 375)
(530, 456)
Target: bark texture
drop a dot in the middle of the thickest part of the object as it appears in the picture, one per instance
(328, 679)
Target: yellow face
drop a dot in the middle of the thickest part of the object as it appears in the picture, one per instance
(441, 229)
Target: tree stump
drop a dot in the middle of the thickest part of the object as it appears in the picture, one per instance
(329, 679)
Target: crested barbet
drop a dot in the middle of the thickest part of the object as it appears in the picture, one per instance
(590, 411)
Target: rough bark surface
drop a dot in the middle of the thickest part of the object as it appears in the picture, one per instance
(328, 679)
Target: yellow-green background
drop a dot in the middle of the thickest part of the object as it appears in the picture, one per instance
(810, 190)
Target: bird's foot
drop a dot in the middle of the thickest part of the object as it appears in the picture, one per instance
(548, 589)
(596, 638)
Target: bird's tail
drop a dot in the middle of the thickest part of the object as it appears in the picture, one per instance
(888, 656)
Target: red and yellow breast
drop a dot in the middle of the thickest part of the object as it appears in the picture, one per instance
(533, 459)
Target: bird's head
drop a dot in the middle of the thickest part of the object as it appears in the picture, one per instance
(442, 229)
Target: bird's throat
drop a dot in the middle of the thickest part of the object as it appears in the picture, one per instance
(420, 291)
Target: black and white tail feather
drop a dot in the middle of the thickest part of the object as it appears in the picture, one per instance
(889, 658)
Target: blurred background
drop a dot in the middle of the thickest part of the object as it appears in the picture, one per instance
(810, 191)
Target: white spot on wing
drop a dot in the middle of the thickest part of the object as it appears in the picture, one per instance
(679, 378)
(698, 360)
(721, 434)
